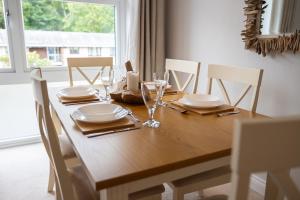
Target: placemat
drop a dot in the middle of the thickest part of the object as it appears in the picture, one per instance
(205, 111)
(88, 128)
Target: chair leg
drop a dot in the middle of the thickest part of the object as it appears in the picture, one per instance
(177, 194)
(240, 186)
(57, 191)
(51, 179)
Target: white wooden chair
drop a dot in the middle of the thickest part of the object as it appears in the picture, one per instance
(65, 145)
(71, 183)
(252, 77)
(276, 146)
(84, 62)
(189, 67)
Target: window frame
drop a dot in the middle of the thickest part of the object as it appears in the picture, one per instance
(9, 40)
(19, 72)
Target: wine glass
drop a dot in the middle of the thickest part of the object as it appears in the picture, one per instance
(164, 83)
(151, 92)
(107, 78)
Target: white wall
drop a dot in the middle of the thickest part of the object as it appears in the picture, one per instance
(209, 31)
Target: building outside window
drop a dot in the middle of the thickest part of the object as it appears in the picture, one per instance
(74, 50)
(94, 51)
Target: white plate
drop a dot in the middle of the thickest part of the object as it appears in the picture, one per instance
(200, 101)
(77, 92)
(99, 113)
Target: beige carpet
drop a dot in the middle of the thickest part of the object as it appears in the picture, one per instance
(24, 176)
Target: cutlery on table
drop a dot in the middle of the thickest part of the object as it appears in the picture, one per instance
(113, 131)
(235, 111)
(81, 102)
(176, 108)
(130, 113)
(166, 93)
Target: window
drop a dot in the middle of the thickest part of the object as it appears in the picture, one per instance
(43, 33)
(53, 54)
(74, 50)
(4, 53)
(69, 28)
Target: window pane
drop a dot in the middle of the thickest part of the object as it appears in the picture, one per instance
(56, 30)
(4, 55)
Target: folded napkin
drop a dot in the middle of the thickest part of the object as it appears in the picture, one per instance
(87, 128)
(205, 111)
(64, 100)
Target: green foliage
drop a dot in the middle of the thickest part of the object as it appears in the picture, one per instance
(54, 15)
(33, 58)
(2, 23)
(89, 18)
(43, 15)
(5, 60)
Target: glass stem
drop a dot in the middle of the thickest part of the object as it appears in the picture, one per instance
(106, 92)
(151, 113)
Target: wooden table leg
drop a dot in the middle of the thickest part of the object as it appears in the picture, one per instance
(272, 192)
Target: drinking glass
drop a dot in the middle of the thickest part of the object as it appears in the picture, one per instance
(107, 78)
(151, 92)
(164, 83)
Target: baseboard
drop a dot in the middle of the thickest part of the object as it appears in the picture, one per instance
(258, 184)
(20, 141)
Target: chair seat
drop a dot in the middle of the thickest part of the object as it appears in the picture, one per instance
(66, 147)
(147, 192)
(216, 197)
(81, 185)
(204, 177)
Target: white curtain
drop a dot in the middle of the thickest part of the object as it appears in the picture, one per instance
(145, 36)
(132, 26)
(287, 17)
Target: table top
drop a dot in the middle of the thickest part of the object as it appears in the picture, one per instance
(181, 140)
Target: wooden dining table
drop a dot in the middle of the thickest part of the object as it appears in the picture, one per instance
(185, 144)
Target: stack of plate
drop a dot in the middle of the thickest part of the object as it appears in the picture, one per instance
(200, 101)
(99, 113)
(77, 92)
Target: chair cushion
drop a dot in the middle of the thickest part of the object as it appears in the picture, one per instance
(147, 192)
(82, 187)
(66, 147)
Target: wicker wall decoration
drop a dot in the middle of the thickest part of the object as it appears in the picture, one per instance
(265, 44)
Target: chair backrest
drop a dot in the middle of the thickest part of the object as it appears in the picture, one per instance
(36, 72)
(83, 62)
(271, 145)
(49, 136)
(250, 76)
(190, 67)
